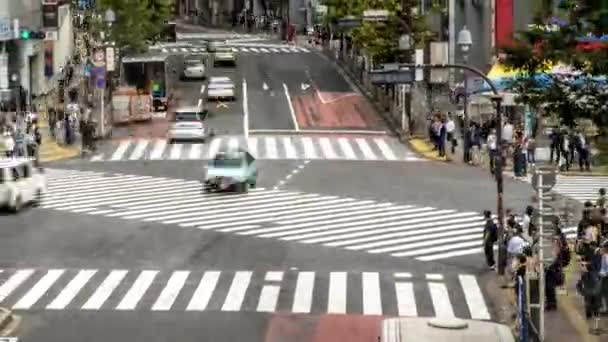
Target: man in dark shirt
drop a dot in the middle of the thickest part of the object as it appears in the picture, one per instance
(490, 236)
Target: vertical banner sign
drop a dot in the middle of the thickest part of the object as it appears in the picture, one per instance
(110, 58)
(521, 312)
(4, 71)
(48, 58)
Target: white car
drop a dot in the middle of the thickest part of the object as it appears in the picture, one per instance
(221, 88)
(20, 183)
(224, 56)
(194, 68)
(189, 124)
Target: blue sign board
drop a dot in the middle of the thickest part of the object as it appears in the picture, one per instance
(99, 73)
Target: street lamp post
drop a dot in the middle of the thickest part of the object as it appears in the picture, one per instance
(109, 18)
(405, 45)
(465, 42)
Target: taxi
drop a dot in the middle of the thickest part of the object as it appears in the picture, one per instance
(231, 170)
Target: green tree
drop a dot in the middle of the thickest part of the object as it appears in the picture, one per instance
(137, 21)
(379, 40)
(553, 41)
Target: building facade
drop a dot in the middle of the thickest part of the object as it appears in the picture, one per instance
(41, 43)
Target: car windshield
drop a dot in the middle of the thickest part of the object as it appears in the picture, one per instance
(221, 161)
(193, 62)
(189, 116)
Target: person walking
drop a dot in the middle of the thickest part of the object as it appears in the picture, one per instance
(490, 236)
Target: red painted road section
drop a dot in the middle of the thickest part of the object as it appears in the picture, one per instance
(155, 129)
(326, 110)
(326, 328)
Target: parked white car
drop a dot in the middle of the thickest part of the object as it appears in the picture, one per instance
(21, 183)
(221, 88)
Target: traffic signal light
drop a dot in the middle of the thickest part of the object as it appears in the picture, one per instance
(26, 34)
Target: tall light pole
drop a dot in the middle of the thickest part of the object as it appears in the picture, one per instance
(109, 18)
(465, 42)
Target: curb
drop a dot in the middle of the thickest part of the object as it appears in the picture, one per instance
(8, 322)
(423, 148)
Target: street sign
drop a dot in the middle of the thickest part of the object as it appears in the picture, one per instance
(349, 23)
(375, 15)
(110, 58)
(390, 66)
(391, 77)
(549, 178)
(6, 29)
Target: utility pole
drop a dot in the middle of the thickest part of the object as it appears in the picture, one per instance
(406, 12)
(498, 166)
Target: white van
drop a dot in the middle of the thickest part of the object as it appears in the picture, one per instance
(420, 329)
(20, 183)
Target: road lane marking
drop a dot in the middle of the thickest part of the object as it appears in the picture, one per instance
(176, 151)
(372, 301)
(347, 149)
(245, 111)
(104, 291)
(271, 148)
(336, 300)
(159, 149)
(285, 50)
(68, 294)
(236, 293)
(202, 295)
(14, 282)
(254, 49)
(441, 300)
(252, 146)
(214, 147)
(139, 150)
(264, 50)
(202, 88)
(368, 153)
(137, 290)
(120, 151)
(406, 300)
(291, 110)
(302, 300)
(38, 290)
(327, 149)
(473, 297)
(385, 149)
(169, 294)
(269, 298)
(195, 151)
(290, 151)
(309, 148)
(273, 276)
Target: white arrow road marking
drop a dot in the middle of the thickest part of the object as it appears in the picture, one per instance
(305, 86)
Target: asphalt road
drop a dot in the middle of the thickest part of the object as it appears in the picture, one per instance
(79, 275)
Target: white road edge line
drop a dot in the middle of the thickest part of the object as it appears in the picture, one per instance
(291, 110)
(245, 111)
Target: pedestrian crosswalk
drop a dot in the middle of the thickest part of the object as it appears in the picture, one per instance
(220, 36)
(581, 188)
(286, 291)
(273, 147)
(421, 232)
(251, 49)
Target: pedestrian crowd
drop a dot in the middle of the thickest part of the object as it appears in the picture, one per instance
(567, 146)
(521, 242)
(21, 135)
(480, 143)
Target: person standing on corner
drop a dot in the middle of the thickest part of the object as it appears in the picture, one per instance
(490, 236)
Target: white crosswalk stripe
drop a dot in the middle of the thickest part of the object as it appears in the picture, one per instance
(421, 232)
(367, 293)
(580, 188)
(263, 147)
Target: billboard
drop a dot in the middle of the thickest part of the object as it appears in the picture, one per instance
(50, 18)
